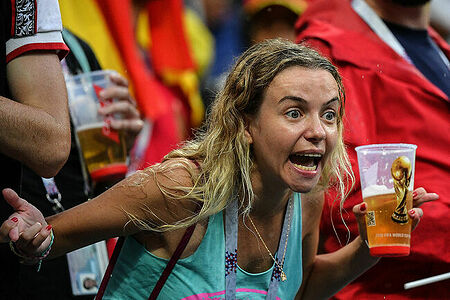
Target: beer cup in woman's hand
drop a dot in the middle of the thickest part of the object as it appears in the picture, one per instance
(419, 196)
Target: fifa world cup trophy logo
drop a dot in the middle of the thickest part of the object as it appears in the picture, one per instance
(401, 173)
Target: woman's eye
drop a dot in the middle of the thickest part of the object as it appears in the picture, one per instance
(329, 115)
(293, 114)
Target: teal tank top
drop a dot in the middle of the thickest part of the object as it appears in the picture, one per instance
(201, 276)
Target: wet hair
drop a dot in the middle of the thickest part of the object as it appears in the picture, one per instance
(221, 146)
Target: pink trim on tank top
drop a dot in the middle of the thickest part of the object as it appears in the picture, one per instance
(212, 296)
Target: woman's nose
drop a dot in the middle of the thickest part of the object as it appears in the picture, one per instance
(315, 129)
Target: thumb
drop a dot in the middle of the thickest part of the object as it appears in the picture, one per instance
(13, 199)
(360, 211)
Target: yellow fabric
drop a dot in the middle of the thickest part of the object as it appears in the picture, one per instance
(188, 82)
(84, 19)
(201, 41)
(296, 6)
(143, 35)
(201, 44)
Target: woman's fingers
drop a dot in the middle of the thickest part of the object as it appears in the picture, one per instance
(415, 214)
(360, 211)
(34, 240)
(26, 238)
(41, 241)
(9, 230)
(420, 196)
(13, 233)
(13, 199)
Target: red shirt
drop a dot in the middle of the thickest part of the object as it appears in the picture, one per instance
(388, 101)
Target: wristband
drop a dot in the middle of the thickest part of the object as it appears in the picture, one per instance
(32, 259)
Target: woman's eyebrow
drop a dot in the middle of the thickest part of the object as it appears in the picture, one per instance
(331, 101)
(295, 98)
(303, 101)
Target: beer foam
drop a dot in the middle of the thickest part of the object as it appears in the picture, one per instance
(377, 190)
(90, 126)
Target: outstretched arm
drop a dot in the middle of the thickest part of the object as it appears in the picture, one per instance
(326, 274)
(100, 218)
(137, 197)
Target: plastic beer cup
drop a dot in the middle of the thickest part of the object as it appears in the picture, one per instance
(387, 181)
(103, 148)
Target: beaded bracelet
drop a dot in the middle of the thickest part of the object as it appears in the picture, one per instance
(33, 259)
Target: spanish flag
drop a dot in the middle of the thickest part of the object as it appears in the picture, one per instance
(162, 76)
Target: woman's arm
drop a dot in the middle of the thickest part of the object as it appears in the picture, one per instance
(326, 274)
(331, 272)
(105, 216)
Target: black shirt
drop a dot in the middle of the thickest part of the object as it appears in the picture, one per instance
(53, 280)
(424, 54)
(10, 168)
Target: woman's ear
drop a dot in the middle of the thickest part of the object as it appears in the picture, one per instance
(248, 134)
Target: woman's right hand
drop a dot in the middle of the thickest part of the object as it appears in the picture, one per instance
(420, 196)
(26, 227)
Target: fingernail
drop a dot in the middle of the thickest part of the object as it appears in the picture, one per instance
(14, 220)
(412, 212)
(49, 227)
(414, 194)
(363, 206)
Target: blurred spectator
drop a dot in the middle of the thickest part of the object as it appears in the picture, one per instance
(396, 73)
(440, 17)
(162, 74)
(225, 20)
(73, 185)
(268, 19)
(34, 118)
(235, 27)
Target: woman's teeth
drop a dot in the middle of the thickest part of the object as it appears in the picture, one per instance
(307, 162)
(306, 168)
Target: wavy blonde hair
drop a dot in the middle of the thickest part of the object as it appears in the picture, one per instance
(221, 145)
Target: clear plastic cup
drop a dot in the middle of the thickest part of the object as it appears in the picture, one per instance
(103, 148)
(387, 182)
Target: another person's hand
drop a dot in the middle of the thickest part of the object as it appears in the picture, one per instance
(26, 227)
(130, 121)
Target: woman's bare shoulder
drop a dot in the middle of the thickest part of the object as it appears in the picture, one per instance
(159, 195)
(312, 204)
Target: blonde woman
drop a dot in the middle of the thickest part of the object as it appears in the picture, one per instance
(273, 133)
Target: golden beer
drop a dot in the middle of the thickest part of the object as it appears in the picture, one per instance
(387, 237)
(104, 154)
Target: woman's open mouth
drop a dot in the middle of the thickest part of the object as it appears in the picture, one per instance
(306, 161)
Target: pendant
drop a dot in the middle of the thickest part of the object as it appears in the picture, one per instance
(283, 276)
